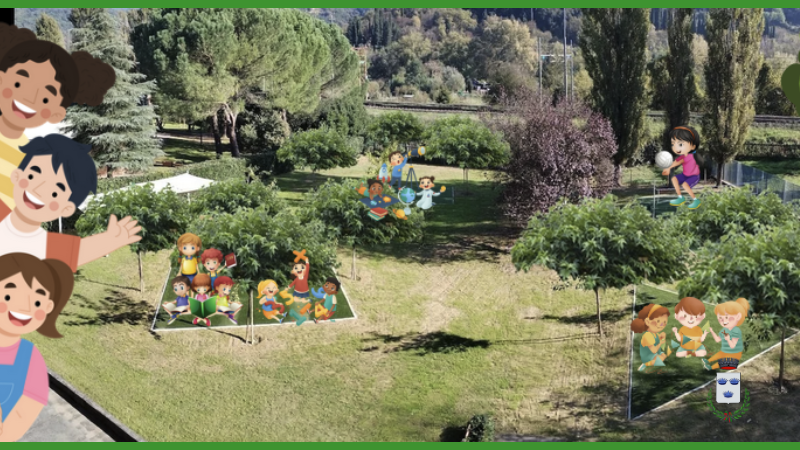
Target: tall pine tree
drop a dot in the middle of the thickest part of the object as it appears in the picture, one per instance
(47, 29)
(122, 128)
(681, 87)
(734, 60)
(614, 47)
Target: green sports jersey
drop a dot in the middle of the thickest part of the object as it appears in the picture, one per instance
(735, 333)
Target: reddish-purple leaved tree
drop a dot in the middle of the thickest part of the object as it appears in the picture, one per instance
(561, 151)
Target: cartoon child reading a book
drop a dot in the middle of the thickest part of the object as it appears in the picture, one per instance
(225, 307)
(272, 309)
(188, 246)
(38, 81)
(55, 175)
(201, 285)
(731, 316)
(182, 288)
(324, 310)
(212, 260)
(32, 294)
(373, 195)
(690, 312)
(651, 321)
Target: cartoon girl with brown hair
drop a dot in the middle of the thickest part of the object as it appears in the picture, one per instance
(32, 294)
(651, 321)
(38, 81)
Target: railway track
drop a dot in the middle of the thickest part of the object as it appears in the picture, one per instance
(760, 120)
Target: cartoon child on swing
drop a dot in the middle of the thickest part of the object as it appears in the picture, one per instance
(651, 321)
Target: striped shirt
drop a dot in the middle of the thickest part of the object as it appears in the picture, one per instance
(10, 157)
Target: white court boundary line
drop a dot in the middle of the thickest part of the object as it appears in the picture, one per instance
(630, 360)
(228, 327)
(663, 405)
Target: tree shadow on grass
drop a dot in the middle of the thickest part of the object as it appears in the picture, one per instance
(425, 343)
(117, 308)
(79, 277)
(590, 319)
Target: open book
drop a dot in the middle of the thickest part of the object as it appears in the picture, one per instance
(203, 309)
(232, 307)
(172, 308)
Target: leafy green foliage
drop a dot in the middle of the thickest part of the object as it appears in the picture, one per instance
(261, 130)
(394, 128)
(614, 46)
(263, 243)
(121, 129)
(602, 245)
(465, 143)
(770, 98)
(231, 195)
(215, 58)
(217, 169)
(162, 215)
(763, 268)
(679, 89)
(47, 29)
(481, 429)
(734, 58)
(320, 149)
(338, 206)
(732, 211)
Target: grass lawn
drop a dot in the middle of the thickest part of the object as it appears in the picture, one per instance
(681, 375)
(446, 329)
(788, 169)
(343, 310)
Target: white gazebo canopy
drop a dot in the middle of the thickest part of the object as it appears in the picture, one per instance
(182, 184)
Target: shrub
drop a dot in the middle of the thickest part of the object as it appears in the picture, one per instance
(557, 152)
(320, 149)
(231, 195)
(480, 429)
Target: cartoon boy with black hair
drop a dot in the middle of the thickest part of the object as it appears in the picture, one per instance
(324, 310)
(55, 176)
(373, 194)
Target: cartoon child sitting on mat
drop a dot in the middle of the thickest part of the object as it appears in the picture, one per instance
(272, 309)
(731, 316)
(324, 310)
(690, 312)
(651, 321)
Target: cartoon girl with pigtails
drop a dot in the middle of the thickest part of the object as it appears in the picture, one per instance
(38, 81)
(685, 141)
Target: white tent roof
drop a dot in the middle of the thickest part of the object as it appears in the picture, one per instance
(182, 184)
(46, 129)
